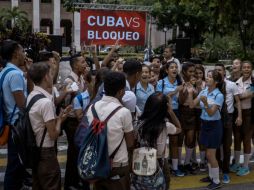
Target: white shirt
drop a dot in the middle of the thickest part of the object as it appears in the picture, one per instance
(81, 85)
(162, 140)
(41, 112)
(118, 124)
(242, 88)
(231, 91)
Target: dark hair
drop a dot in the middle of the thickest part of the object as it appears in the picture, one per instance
(196, 60)
(185, 68)
(131, 67)
(248, 62)
(45, 55)
(37, 71)
(220, 65)
(200, 67)
(99, 78)
(170, 47)
(156, 57)
(74, 59)
(113, 82)
(8, 48)
(149, 68)
(221, 85)
(164, 74)
(155, 112)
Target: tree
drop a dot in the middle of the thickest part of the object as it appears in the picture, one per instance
(16, 16)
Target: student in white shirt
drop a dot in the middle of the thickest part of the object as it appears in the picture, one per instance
(243, 134)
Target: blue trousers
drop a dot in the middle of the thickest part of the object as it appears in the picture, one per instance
(15, 172)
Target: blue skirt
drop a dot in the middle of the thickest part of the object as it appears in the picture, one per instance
(211, 134)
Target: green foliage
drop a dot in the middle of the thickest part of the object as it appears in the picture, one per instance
(69, 4)
(18, 17)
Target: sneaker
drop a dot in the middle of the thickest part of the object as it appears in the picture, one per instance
(202, 167)
(178, 173)
(225, 179)
(234, 168)
(188, 169)
(213, 185)
(243, 171)
(206, 180)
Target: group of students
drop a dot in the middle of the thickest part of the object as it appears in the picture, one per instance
(164, 103)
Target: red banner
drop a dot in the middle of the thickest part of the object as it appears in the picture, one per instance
(104, 27)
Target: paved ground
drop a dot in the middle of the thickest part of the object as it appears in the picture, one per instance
(190, 182)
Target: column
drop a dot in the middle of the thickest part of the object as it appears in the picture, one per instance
(57, 12)
(14, 3)
(36, 15)
(77, 30)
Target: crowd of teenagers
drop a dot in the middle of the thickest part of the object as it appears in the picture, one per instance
(162, 104)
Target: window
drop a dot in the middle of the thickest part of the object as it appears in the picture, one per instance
(46, 1)
(26, 0)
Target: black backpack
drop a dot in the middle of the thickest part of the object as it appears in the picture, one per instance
(24, 138)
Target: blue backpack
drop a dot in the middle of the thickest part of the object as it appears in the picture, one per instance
(94, 162)
(2, 114)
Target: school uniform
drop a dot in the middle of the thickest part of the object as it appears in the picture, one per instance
(211, 129)
(143, 94)
(166, 87)
(47, 175)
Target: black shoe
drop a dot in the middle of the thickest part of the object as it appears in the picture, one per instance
(188, 169)
(181, 167)
(206, 180)
(213, 185)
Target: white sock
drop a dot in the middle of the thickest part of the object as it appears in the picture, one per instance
(188, 155)
(237, 157)
(210, 171)
(202, 157)
(180, 155)
(246, 160)
(175, 164)
(216, 175)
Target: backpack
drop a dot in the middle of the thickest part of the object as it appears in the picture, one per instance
(24, 138)
(4, 127)
(94, 161)
(147, 173)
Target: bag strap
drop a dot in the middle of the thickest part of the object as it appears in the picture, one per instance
(33, 100)
(4, 75)
(1, 85)
(163, 85)
(109, 116)
(116, 150)
(105, 121)
(80, 99)
(29, 106)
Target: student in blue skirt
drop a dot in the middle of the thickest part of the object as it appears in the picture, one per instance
(211, 101)
(171, 85)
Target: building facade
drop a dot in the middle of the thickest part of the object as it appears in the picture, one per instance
(49, 16)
